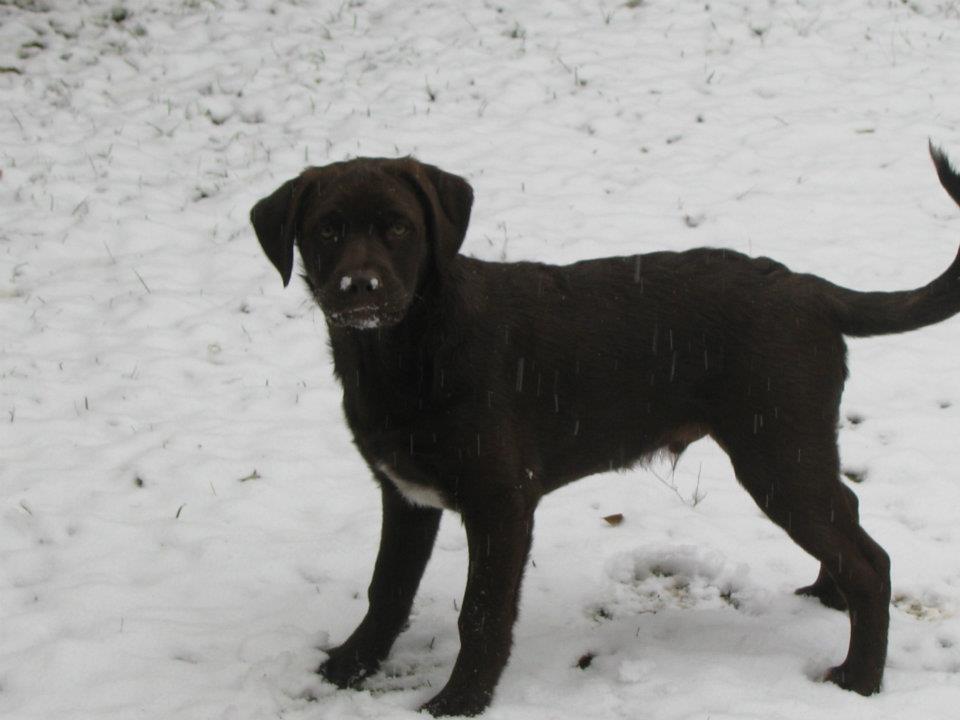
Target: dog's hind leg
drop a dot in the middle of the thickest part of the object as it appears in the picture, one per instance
(825, 588)
(406, 542)
(796, 482)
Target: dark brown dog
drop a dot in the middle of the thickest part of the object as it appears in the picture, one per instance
(478, 387)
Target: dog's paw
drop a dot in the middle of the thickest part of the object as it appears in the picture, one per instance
(459, 704)
(346, 669)
(864, 683)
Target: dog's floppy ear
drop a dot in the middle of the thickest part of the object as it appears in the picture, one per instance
(275, 219)
(448, 199)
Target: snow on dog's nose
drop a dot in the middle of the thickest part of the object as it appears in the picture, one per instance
(361, 282)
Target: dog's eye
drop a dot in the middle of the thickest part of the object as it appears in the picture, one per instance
(398, 230)
(327, 232)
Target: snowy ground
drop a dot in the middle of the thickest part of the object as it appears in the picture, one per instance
(183, 520)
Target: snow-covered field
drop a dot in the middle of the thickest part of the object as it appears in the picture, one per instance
(184, 522)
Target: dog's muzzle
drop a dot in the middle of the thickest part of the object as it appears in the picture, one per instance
(361, 301)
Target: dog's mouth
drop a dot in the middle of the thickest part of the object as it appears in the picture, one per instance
(366, 317)
(361, 317)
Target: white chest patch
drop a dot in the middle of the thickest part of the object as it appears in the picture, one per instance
(413, 493)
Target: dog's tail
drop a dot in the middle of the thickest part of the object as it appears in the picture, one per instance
(860, 314)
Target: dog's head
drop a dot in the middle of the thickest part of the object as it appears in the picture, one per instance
(370, 231)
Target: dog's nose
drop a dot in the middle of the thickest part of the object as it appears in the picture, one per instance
(361, 282)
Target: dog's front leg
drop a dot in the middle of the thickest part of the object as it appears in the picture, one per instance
(499, 531)
(406, 541)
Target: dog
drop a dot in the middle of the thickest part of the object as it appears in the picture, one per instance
(478, 387)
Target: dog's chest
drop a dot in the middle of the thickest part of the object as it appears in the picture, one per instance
(415, 493)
